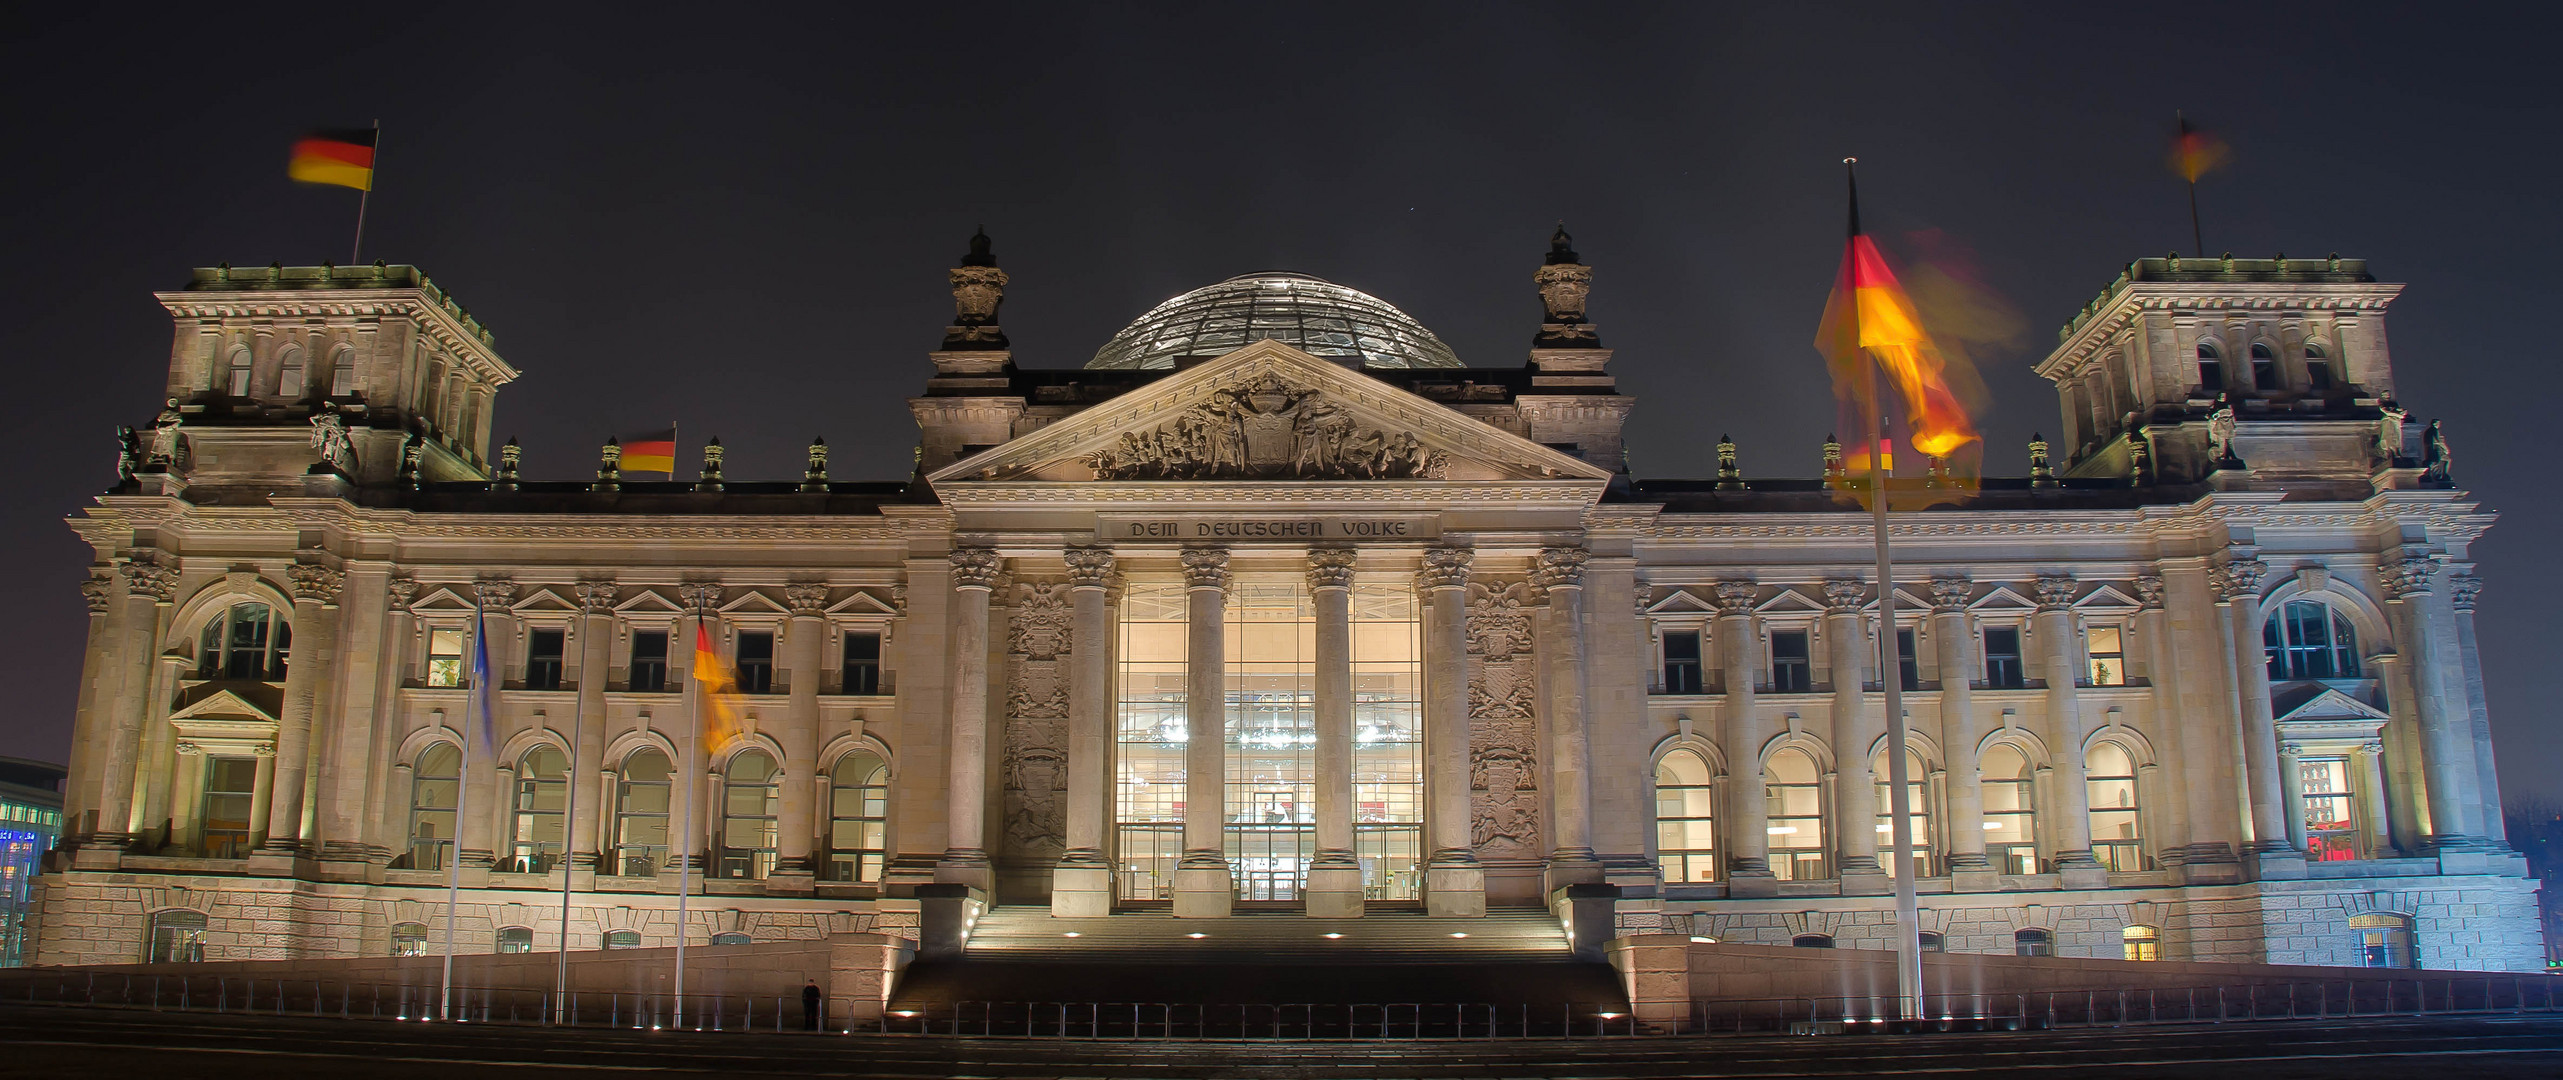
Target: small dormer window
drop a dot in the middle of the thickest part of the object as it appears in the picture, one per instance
(2264, 367)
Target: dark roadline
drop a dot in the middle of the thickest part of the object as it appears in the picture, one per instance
(69, 1041)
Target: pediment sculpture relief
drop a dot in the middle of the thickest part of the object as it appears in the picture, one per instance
(1268, 429)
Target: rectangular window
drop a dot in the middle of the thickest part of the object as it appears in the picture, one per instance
(231, 785)
(1682, 662)
(2330, 833)
(649, 661)
(445, 657)
(1908, 665)
(2108, 654)
(756, 662)
(862, 664)
(2002, 658)
(543, 659)
(1790, 671)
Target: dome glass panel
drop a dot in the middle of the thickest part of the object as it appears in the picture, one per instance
(1317, 317)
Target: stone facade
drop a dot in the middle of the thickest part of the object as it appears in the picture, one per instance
(2212, 678)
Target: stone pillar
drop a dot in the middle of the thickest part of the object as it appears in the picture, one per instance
(2447, 743)
(2462, 589)
(1335, 874)
(965, 854)
(2291, 789)
(2370, 806)
(2205, 713)
(1954, 636)
(1203, 888)
(157, 770)
(306, 670)
(587, 759)
(1570, 743)
(1081, 884)
(2062, 657)
(348, 742)
(149, 582)
(80, 786)
(1454, 883)
(804, 644)
(1855, 792)
(2272, 850)
(1748, 856)
(385, 835)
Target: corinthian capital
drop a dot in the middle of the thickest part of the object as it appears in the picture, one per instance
(1206, 568)
(97, 589)
(596, 597)
(2462, 589)
(1089, 567)
(1949, 592)
(146, 575)
(976, 568)
(2407, 577)
(2149, 590)
(1444, 568)
(2239, 579)
(806, 599)
(402, 590)
(1331, 568)
(699, 597)
(315, 582)
(1561, 568)
(494, 592)
(1735, 597)
(1843, 595)
(2055, 591)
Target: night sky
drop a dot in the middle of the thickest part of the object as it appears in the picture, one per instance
(740, 219)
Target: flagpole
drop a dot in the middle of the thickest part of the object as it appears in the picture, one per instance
(569, 828)
(685, 862)
(2189, 172)
(454, 851)
(356, 254)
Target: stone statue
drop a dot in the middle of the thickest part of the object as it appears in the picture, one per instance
(166, 444)
(2220, 434)
(1267, 429)
(2389, 433)
(128, 454)
(329, 439)
(2437, 463)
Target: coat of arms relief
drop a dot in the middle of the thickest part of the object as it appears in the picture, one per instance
(1036, 744)
(1267, 429)
(1503, 722)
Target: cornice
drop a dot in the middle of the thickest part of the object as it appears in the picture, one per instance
(1196, 496)
(443, 325)
(2206, 299)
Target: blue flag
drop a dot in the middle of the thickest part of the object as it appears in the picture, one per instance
(484, 688)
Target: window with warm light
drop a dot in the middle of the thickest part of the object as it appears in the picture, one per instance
(2141, 943)
(640, 814)
(2011, 810)
(435, 782)
(409, 939)
(751, 804)
(2109, 775)
(2385, 940)
(2331, 833)
(1917, 814)
(445, 657)
(1793, 797)
(2107, 649)
(1685, 813)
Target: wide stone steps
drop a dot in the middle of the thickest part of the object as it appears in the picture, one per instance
(1030, 935)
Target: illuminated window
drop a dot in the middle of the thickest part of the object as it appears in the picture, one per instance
(515, 939)
(1685, 833)
(231, 785)
(2011, 811)
(445, 657)
(247, 641)
(2141, 943)
(1793, 800)
(858, 812)
(1682, 662)
(2384, 940)
(2033, 943)
(538, 832)
(1791, 672)
(2109, 774)
(640, 814)
(1917, 814)
(177, 937)
(433, 785)
(2108, 651)
(2306, 639)
(2330, 833)
(409, 939)
(749, 807)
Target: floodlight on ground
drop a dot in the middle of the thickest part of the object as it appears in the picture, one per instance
(1457, 933)
(1196, 935)
(1332, 937)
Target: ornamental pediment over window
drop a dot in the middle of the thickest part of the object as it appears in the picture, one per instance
(1269, 412)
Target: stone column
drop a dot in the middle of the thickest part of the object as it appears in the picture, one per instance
(805, 642)
(1335, 873)
(965, 853)
(2272, 849)
(80, 786)
(1081, 884)
(2370, 806)
(1570, 744)
(2291, 789)
(1954, 638)
(587, 759)
(2063, 661)
(149, 582)
(1748, 812)
(347, 738)
(1203, 888)
(1454, 883)
(1855, 792)
(2462, 589)
(157, 770)
(385, 837)
(306, 669)
(2447, 743)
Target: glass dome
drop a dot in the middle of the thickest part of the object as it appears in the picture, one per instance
(1317, 317)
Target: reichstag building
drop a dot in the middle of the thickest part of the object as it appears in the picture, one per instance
(1278, 604)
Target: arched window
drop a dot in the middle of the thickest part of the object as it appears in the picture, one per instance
(248, 641)
(640, 815)
(342, 372)
(1812, 941)
(2032, 942)
(748, 808)
(237, 369)
(858, 809)
(1932, 941)
(2011, 810)
(2306, 639)
(2384, 940)
(2141, 943)
(2318, 369)
(177, 937)
(2264, 367)
(622, 939)
(2211, 370)
(2109, 774)
(516, 939)
(732, 938)
(539, 832)
(1917, 814)
(1685, 827)
(409, 939)
(1794, 800)
(433, 785)
(289, 373)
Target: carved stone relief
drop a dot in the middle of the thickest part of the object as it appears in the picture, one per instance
(1503, 722)
(1036, 757)
(1267, 429)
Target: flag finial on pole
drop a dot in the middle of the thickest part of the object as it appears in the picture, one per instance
(1851, 172)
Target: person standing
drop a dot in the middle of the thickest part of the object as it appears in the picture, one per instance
(810, 1006)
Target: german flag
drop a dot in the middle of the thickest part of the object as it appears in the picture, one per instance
(651, 452)
(2195, 152)
(719, 688)
(343, 157)
(1870, 321)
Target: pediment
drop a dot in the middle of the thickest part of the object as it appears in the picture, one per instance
(861, 603)
(1682, 602)
(1790, 601)
(647, 602)
(2002, 598)
(542, 600)
(443, 600)
(1268, 412)
(2326, 705)
(224, 704)
(2108, 600)
(753, 602)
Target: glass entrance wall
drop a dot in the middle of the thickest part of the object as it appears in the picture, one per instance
(1271, 727)
(1388, 739)
(1148, 739)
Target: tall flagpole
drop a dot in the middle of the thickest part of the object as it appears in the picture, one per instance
(1891, 678)
(569, 828)
(356, 255)
(685, 862)
(454, 851)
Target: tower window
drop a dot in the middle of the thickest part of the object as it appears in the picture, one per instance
(2318, 369)
(649, 661)
(2211, 370)
(543, 651)
(2264, 367)
(2002, 658)
(1682, 662)
(1791, 673)
(236, 380)
(862, 664)
(756, 662)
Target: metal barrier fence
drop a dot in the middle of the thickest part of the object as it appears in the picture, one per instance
(2322, 999)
